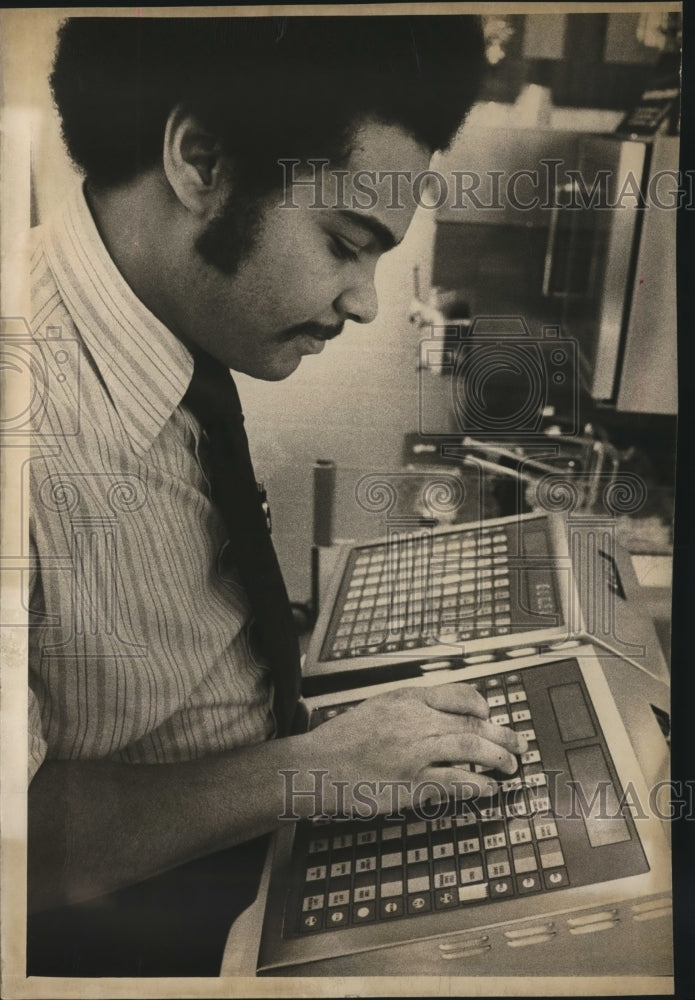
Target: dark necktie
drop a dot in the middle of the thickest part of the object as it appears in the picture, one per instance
(213, 398)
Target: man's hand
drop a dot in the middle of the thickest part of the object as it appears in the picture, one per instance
(413, 735)
(99, 825)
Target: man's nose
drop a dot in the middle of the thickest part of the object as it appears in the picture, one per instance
(358, 302)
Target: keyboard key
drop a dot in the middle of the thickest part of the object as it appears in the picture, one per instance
(442, 823)
(392, 908)
(516, 806)
(445, 874)
(544, 828)
(529, 883)
(364, 893)
(524, 859)
(496, 700)
(337, 917)
(311, 922)
(340, 868)
(468, 893)
(509, 784)
(366, 837)
(519, 831)
(365, 864)
(469, 845)
(471, 869)
(551, 854)
(466, 818)
(317, 846)
(311, 903)
(535, 776)
(500, 888)
(389, 889)
(342, 840)
(340, 898)
(391, 831)
(497, 864)
(490, 810)
(527, 732)
(442, 850)
(363, 912)
(315, 874)
(419, 903)
(392, 860)
(420, 883)
(538, 803)
(556, 878)
(495, 838)
(515, 693)
(416, 855)
(446, 898)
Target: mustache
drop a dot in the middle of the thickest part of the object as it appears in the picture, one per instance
(312, 329)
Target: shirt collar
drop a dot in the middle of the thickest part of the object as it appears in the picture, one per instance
(145, 368)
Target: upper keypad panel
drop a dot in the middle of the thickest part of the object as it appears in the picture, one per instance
(424, 591)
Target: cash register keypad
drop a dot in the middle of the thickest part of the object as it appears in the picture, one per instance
(357, 872)
(452, 588)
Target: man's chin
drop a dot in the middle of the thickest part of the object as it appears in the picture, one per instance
(277, 367)
(284, 358)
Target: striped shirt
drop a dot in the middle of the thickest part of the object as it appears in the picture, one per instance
(139, 646)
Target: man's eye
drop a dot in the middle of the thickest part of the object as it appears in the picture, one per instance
(342, 250)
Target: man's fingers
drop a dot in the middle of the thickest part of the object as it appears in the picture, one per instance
(459, 782)
(502, 735)
(459, 699)
(475, 725)
(472, 748)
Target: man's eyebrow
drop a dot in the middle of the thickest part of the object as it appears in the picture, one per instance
(381, 233)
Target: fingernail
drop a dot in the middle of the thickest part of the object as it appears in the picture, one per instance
(489, 788)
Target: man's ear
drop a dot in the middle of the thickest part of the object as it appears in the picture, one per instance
(193, 164)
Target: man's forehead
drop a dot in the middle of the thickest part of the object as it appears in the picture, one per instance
(378, 182)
